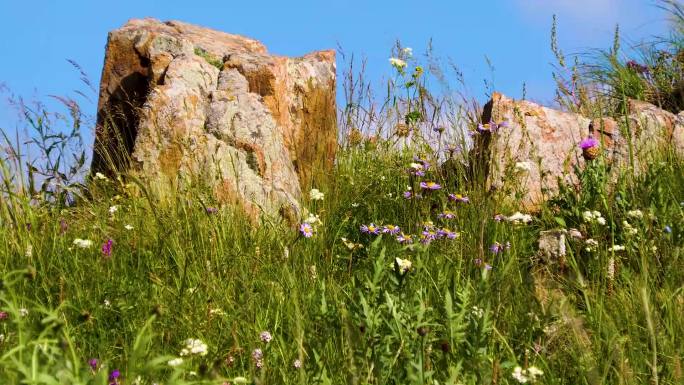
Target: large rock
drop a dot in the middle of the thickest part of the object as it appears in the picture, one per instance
(539, 148)
(180, 102)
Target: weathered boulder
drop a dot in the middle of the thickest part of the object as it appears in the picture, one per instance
(180, 102)
(537, 148)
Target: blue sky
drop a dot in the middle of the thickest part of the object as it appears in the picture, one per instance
(39, 36)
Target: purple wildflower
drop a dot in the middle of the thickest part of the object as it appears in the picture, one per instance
(487, 266)
(4, 315)
(114, 375)
(588, 143)
(496, 248)
(431, 186)
(404, 239)
(668, 229)
(391, 229)
(107, 248)
(370, 229)
(636, 67)
(212, 210)
(446, 215)
(257, 354)
(408, 194)
(446, 233)
(458, 198)
(265, 336)
(306, 230)
(428, 235)
(499, 217)
(93, 363)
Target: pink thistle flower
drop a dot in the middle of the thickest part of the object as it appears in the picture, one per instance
(588, 143)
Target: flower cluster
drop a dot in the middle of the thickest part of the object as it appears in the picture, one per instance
(524, 376)
(194, 347)
(594, 217)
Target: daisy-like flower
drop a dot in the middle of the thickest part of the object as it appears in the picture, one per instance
(404, 265)
(404, 239)
(297, 364)
(265, 336)
(428, 235)
(430, 186)
(446, 233)
(370, 229)
(407, 194)
(446, 215)
(306, 230)
(416, 169)
(391, 229)
(113, 209)
(458, 198)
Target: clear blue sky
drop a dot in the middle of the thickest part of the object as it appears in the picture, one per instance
(38, 36)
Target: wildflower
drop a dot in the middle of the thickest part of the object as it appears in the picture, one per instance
(574, 233)
(23, 312)
(407, 194)
(616, 248)
(591, 245)
(446, 233)
(404, 239)
(316, 195)
(114, 375)
(265, 336)
(106, 303)
(629, 229)
(593, 217)
(446, 215)
(370, 229)
(29, 251)
(397, 63)
(635, 214)
(212, 210)
(428, 235)
(107, 248)
(590, 148)
(113, 209)
(499, 217)
(306, 230)
(313, 219)
(391, 229)
(534, 372)
(257, 354)
(175, 362)
(351, 245)
(496, 248)
(4, 315)
(519, 218)
(408, 51)
(430, 186)
(101, 176)
(610, 271)
(523, 167)
(128, 227)
(404, 265)
(93, 363)
(83, 243)
(667, 229)
(194, 346)
(297, 364)
(458, 198)
(478, 312)
(417, 169)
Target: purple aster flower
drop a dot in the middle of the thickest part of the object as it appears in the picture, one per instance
(107, 248)
(370, 229)
(478, 261)
(407, 194)
(458, 198)
(212, 210)
(499, 217)
(487, 266)
(93, 363)
(306, 230)
(446, 215)
(588, 143)
(447, 233)
(496, 248)
(428, 235)
(391, 229)
(265, 336)
(430, 186)
(404, 239)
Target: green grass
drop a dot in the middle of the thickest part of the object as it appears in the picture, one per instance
(337, 303)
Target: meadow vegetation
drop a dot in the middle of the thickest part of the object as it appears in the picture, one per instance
(404, 271)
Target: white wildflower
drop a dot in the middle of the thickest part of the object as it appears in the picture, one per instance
(408, 51)
(313, 219)
(106, 303)
(29, 251)
(297, 364)
(175, 362)
(397, 63)
(636, 214)
(83, 243)
(403, 264)
(629, 229)
(316, 195)
(593, 217)
(591, 245)
(478, 312)
(519, 375)
(101, 176)
(519, 218)
(194, 346)
(534, 372)
(601, 221)
(128, 227)
(113, 209)
(611, 268)
(616, 248)
(23, 312)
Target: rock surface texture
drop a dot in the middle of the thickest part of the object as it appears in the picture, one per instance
(180, 102)
(538, 147)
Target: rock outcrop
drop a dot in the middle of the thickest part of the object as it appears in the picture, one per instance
(530, 150)
(180, 102)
